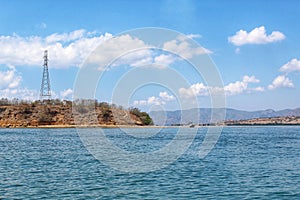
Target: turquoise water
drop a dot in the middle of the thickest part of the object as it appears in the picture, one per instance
(246, 163)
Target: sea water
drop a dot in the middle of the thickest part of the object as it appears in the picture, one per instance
(246, 163)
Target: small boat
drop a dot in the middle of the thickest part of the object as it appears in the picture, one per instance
(192, 125)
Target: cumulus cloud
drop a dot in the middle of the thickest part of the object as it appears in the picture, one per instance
(10, 85)
(256, 36)
(66, 93)
(238, 87)
(112, 52)
(166, 97)
(198, 89)
(164, 60)
(139, 58)
(162, 98)
(71, 49)
(23, 93)
(291, 66)
(148, 59)
(19, 93)
(65, 50)
(66, 37)
(182, 47)
(281, 82)
(9, 79)
(139, 54)
(258, 89)
(150, 101)
(154, 101)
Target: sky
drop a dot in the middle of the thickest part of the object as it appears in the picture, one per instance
(254, 46)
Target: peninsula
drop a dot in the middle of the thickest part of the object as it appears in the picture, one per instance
(57, 113)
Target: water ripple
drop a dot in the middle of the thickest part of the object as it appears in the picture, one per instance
(246, 163)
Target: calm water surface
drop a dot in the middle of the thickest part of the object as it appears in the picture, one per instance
(246, 163)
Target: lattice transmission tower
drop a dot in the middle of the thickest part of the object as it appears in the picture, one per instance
(45, 86)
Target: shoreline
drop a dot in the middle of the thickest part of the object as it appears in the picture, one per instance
(80, 126)
(136, 126)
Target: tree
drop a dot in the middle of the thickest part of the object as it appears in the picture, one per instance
(143, 116)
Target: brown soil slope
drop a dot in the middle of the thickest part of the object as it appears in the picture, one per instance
(39, 114)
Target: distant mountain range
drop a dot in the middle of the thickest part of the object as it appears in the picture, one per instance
(203, 115)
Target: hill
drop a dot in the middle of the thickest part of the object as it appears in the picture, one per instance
(63, 113)
(191, 115)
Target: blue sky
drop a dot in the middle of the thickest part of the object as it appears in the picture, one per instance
(254, 44)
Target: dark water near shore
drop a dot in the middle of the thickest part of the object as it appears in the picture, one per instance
(246, 163)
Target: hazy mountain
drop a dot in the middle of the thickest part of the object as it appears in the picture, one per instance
(203, 115)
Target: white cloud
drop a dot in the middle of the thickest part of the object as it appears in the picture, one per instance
(166, 97)
(113, 50)
(141, 56)
(161, 100)
(19, 93)
(65, 50)
(256, 36)
(182, 47)
(164, 60)
(259, 89)
(66, 93)
(198, 89)
(155, 101)
(23, 93)
(291, 66)
(9, 79)
(146, 58)
(66, 37)
(238, 87)
(192, 36)
(72, 49)
(235, 88)
(281, 82)
(10, 86)
(150, 101)
(250, 79)
(140, 102)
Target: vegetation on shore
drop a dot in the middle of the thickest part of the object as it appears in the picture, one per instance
(21, 113)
